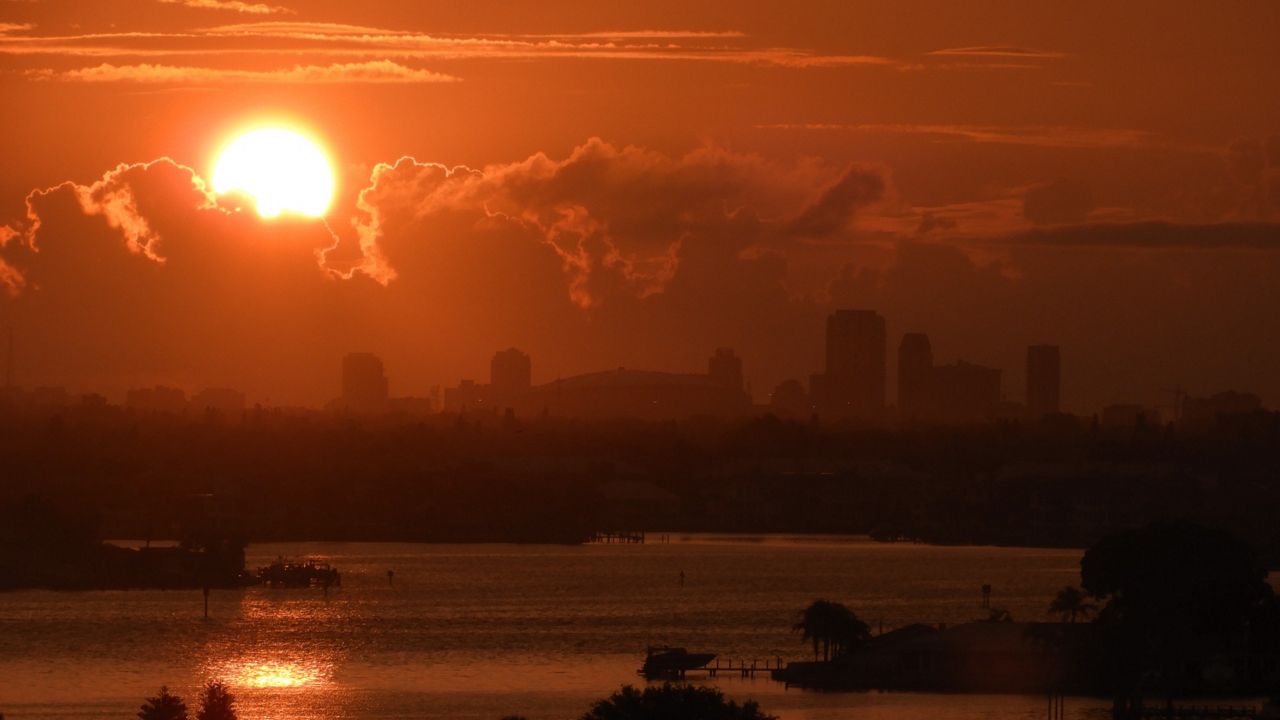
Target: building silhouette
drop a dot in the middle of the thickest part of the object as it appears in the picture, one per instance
(725, 369)
(853, 383)
(915, 377)
(510, 373)
(609, 394)
(364, 383)
(1044, 380)
(1200, 413)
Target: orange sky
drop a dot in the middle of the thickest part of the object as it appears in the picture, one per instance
(638, 183)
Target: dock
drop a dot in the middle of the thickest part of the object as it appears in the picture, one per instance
(617, 536)
(727, 667)
(1193, 712)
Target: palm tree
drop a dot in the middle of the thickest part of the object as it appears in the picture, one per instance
(831, 626)
(1071, 603)
(216, 703)
(164, 706)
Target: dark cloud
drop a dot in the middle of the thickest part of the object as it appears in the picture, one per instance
(834, 210)
(930, 222)
(1059, 202)
(1256, 236)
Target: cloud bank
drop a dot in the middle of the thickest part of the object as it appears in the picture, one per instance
(609, 255)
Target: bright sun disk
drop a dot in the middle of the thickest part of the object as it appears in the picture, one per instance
(280, 169)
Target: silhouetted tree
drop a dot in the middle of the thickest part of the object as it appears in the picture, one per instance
(831, 626)
(1175, 577)
(673, 702)
(165, 706)
(216, 703)
(1176, 593)
(1071, 603)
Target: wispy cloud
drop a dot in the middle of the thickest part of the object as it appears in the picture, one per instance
(1064, 136)
(383, 71)
(339, 40)
(999, 51)
(250, 8)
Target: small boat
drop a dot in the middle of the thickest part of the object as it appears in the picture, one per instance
(306, 573)
(664, 661)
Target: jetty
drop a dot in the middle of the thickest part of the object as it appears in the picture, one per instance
(1169, 711)
(674, 663)
(306, 573)
(617, 536)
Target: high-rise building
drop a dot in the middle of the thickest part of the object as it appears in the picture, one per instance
(915, 376)
(853, 385)
(364, 382)
(510, 373)
(725, 369)
(1044, 379)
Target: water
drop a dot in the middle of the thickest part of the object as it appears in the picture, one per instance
(482, 631)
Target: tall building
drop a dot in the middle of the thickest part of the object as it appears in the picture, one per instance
(364, 382)
(853, 385)
(725, 369)
(510, 373)
(1044, 380)
(915, 376)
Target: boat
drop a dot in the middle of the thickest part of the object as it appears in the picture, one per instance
(306, 573)
(665, 661)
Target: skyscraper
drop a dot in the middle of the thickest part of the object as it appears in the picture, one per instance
(510, 373)
(725, 369)
(915, 376)
(1044, 378)
(853, 384)
(364, 383)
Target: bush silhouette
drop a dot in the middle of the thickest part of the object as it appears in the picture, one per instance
(673, 702)
(165, 706)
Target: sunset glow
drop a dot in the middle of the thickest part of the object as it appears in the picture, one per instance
(280, 169)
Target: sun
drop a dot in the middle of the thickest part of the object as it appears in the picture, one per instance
(281, 169)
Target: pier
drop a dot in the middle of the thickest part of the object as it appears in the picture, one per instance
(1191, 712)
(617, 536)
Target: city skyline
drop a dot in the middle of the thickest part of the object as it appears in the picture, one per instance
(851, 386)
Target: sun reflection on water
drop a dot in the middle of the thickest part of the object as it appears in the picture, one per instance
(277, 675)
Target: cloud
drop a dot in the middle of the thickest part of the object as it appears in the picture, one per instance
(833, 211)
(999, 51)
(376, 72)
(1254, 165)
(250, 8)
(1157, 235)
(618, 218)
(339, 40)
(1061, 136)
(1058, 202)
